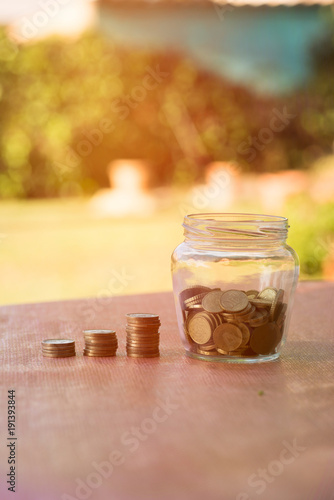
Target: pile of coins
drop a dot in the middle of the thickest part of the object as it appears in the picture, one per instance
(100, 343)
(233, 322)
(58, 348)
(142, 335)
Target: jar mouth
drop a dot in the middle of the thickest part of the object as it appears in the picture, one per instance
(235, 227)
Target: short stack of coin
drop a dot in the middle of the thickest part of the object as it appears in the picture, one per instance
(233, 322)
(100, 343)
(142, 339)
(58, 348)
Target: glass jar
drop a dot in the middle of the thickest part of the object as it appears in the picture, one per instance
(234, 279)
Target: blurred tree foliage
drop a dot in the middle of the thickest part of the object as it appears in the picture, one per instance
(69, 107)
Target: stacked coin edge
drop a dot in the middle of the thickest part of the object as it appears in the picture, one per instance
(142, 335)
(58, 348)
(100, 343)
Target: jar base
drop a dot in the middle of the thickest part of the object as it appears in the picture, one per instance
(234, 359)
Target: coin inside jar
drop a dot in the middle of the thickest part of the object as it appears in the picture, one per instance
(276, 302)
(265, 338)
(233, 301)
(268, 294)
(227, 337)
(211, 301)
(200, 329)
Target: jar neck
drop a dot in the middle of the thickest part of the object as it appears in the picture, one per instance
(244, 231)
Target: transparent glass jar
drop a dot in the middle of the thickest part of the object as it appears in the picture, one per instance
(234, 279)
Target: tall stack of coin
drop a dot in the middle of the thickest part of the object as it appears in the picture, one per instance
(100, 343)
(233, 322)
(58, 348)
(142, 340)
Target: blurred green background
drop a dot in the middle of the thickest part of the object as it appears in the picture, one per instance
(65, 119)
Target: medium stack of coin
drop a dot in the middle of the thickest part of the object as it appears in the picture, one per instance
(58, 348)
(100, 343)
(142, 340)
(233, 322)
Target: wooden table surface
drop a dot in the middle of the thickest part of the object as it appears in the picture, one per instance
(169, 428)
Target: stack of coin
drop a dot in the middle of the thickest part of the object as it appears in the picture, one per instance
(142, 340)
(58, 348)
(100, 343)
(233, 322)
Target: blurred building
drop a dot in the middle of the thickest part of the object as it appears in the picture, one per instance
(264, 44)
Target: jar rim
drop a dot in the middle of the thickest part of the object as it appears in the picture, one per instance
(235, 218)
(235, 227)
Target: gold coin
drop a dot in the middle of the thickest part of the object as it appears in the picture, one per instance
(264, 339)
(227, 337)
(141, 351)
(96, 343)
(196, 300)
(233, 301)
(142, 319)
(142, 332)
(245, 334)
(137, 345)
(196, 308)
(97, 334)
(211, 318)
(101, 348)
(208, 346)
(200, 329)
(143, 336)
(187, 293)
(260, 303)
(280, 315)
(98, 355)
(135, 355)
(206, 353)
(242, 317)
(252, 294)
(142, 316)
(100, 335)
(142, 328)
(58, 354)
(260, 317)
(142, 324)
(211, 301)
(221, 351)
(52, 349)
(101, 338)
(63, 347)
(277, 300)
(138, 342)
(105, 342)
(268, 294)
(58, 343)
